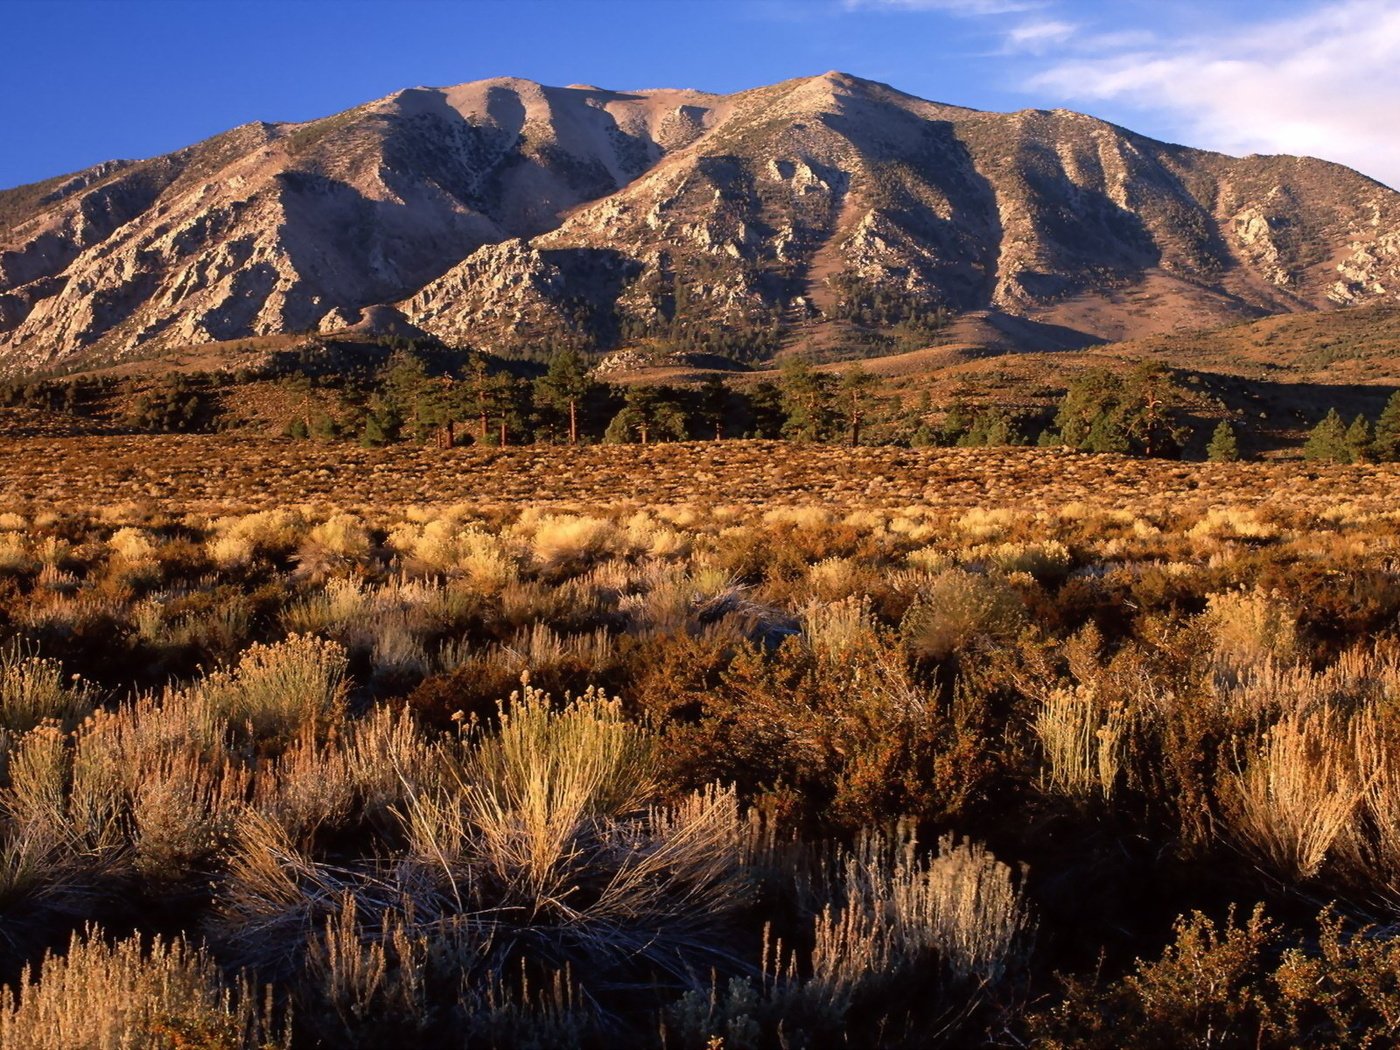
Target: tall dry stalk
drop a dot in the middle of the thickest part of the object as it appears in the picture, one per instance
(1082, 738)
(34, 689)
(1296, 793)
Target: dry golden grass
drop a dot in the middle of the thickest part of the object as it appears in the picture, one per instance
(1082, 737)
(896, 910)
(98, 996)
(33, 690)
(1296, 794)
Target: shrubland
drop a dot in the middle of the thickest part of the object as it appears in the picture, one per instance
(697, 748)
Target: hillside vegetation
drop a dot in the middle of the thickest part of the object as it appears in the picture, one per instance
(1270, 380)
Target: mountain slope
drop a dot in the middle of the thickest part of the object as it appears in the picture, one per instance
(814, 214)
(281, 227)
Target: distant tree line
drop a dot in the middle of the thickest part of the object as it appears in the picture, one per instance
(910, 320)
(672, 325)
(1333, 440)
(174, 403)
(78, 397)
(430, 394)
(177, 403)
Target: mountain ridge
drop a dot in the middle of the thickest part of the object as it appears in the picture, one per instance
(812, 216)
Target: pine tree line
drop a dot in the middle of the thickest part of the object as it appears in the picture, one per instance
(1333, 440)
(473, 397)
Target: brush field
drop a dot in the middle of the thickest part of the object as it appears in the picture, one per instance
(713, 745)
(225, 472)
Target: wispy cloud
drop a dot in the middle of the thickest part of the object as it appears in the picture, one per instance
(1039, 35)
(1020, 26)
(1325, 83)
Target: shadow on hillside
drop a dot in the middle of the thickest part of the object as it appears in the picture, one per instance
(1010, 334)
(1272, 415)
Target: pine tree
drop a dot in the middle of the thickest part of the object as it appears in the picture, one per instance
(375, 433)
(957, 420)
(648, 412)
(1134, 414)
(992, 429)
(1151, 395)
(1223, 447)
(323, 427)
(480, 394)
(923, 437)
(1107, 434)
(855, 397)
(410, 392)
(1092, 398)
(1327, 443)
(1358, 440)
(382, 423)
(1385, 447)
(510, 401)
(714, 404)
(765, 410)
(565, 386)
(806, 402)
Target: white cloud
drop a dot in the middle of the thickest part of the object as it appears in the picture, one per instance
(1039, 35)
(1326, 83)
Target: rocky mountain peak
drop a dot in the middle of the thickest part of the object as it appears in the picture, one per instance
(818, 213)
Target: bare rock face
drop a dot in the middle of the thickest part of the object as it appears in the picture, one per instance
(508, 286)
(1371, 270)
(1258, 234)
(384, 321)
(506, 214)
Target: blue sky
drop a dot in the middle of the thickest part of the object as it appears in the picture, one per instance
(89, 81)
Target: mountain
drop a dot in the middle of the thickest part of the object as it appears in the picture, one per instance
(820, 214)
